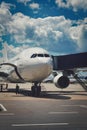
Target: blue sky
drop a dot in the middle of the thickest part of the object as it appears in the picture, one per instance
(59, 26)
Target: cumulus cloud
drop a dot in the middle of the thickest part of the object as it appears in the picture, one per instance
(36, 29)
(75, 4)
(10, 51)
(79, 34)
(23, 1)
(2, 30)
(52, 33)
(5, 14)
(5, 17)
(34, 5)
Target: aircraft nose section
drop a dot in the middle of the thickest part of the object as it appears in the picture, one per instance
(48, 64)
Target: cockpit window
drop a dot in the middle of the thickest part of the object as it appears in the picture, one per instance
(40, 55)
(34, 55)
(46, 55)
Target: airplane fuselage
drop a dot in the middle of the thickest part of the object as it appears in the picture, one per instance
(33, 65)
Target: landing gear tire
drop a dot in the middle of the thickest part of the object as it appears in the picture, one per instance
(36, 91)
(33, 90)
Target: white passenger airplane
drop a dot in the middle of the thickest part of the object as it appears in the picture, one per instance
(32, 65)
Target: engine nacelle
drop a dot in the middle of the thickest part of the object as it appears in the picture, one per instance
(61, 81)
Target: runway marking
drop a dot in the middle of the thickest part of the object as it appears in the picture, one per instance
(2, 108)
(72, 112)
(7, 114)
(83, 106)
(70, 105)
(44, 124)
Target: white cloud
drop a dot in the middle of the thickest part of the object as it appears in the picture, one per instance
(6, 5)
(5, 17)
(79, 34)
(50, 32)
(23, 1)
(53, 33)
(27, 29)
(10, 50)
(18, 27)
(5, 14)
(75, 4)
(2, 30)
(82, 37)
(34, 6)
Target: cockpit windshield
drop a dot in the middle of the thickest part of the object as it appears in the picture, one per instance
(40, 55)
(46, 55)
(34, 55)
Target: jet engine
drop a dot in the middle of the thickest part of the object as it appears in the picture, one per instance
(61, 81)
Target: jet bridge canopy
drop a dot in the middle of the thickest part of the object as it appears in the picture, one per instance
(70, 61)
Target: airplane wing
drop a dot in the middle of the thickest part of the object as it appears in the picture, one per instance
(4, 72)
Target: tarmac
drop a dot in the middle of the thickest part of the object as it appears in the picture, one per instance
(55, 109)
(74, 91)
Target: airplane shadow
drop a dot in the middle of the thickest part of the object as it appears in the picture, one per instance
(63, 95)
(21, 91)
(54, 96)
(43, 94)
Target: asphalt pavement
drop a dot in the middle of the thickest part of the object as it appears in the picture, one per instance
(55, 109)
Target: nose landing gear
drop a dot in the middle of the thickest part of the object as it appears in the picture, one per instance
(36, 89)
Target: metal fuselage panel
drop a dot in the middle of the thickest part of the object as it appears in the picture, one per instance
(33, 69)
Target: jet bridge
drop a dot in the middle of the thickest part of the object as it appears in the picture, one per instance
(66, 62)
(70, 63)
